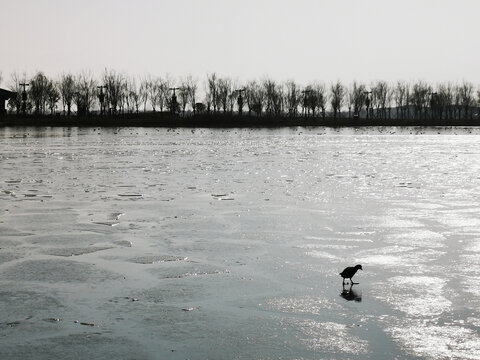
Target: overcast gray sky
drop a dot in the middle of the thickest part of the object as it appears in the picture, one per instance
(325, 40)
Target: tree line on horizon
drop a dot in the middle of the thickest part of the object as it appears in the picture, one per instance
(117, 93)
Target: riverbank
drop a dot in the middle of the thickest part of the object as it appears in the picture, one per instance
(220, 121)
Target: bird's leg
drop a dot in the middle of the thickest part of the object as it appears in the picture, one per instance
(353, 283)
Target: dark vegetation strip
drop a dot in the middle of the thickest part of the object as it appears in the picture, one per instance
(220, 121)
(121, 100)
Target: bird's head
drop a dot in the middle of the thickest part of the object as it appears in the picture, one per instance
(358, 267)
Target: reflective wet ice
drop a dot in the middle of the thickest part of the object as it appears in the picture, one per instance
(198, 243)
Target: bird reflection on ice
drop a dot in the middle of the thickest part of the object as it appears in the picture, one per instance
(351, 294)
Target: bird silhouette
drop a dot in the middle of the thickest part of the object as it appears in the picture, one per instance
(348, 273)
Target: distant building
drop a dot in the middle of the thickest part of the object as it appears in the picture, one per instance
(5, 95)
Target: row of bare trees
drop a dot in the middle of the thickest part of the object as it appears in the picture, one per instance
(114, 93)
(41, 93)
(117, 93)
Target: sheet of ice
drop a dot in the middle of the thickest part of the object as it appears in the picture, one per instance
(417, 296)
(227, 243)
(438, 342)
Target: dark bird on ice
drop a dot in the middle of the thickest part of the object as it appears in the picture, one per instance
(348, 273)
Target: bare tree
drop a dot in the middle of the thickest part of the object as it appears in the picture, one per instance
(183, 94)
(279, 100)
(53, 95)
(438, 102)
(85, 92)
(337, 96)
(144, 91)
(379, 98)
(292, 97)
(270, 90)
(134, 94)
(114, 88)
(124, 99)
(359, 97)
(153, 91)
(192, 92)
(224, 86)
(467, 98)
(164, 92)
(67, 91)
(420, 98)
(15, 103)
(233, 95)
(38, 92)
(350, 100)
(447, 95)
(400, 97)
(274, 97)
(457, 103)
(478, 104)
(208, 97)
(212, 81)
(389, 103)
(255, 96)
(316, 97)
(249, 89)
(321, 93)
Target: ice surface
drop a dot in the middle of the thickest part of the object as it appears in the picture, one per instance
(438, 342)
(245, 229)
(54, 271)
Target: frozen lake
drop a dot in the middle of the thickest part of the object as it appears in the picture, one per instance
(227, 244)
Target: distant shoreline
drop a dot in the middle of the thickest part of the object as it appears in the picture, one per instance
(220, 121)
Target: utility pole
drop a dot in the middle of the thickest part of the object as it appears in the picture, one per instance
(24, 97)
(173, 105)
(101, 97)
(240, 101)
